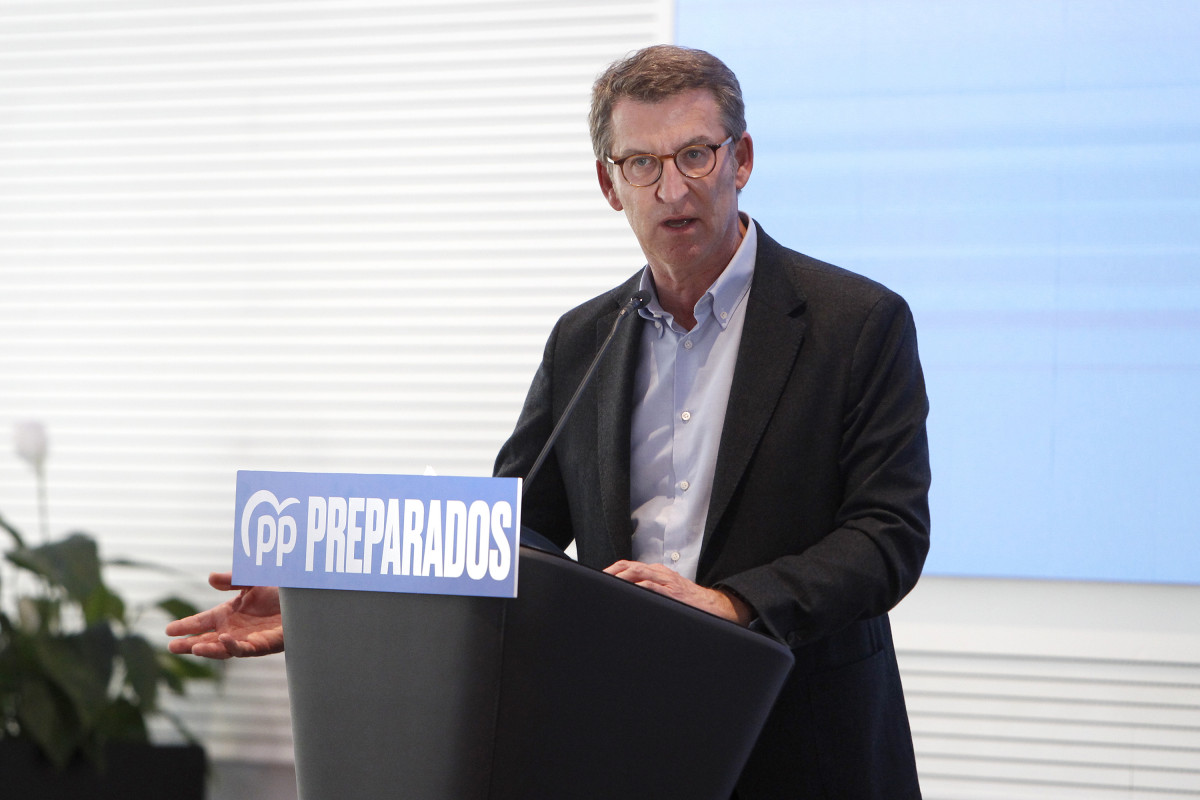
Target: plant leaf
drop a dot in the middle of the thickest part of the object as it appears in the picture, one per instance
(177, 670)
(135, 564)
(39, 614)
(103, 604)
(10, 665)
(183, 729)
(122, 720)
(56, 689)
(80, 666)
(12, 532)
(47, 718)
(141, 670)
(72, 563)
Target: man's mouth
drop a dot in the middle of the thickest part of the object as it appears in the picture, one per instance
(678, 223)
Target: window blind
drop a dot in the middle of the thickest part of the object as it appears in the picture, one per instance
(319, 236)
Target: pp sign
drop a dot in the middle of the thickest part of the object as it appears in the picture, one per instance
(389, 533)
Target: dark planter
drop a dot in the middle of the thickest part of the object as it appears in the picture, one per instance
(134, 772)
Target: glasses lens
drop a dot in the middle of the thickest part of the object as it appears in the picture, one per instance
(642, 170)
(695, 161)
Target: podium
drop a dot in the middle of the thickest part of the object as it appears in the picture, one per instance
(583, 687)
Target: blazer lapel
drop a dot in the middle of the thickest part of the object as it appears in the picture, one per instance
(613, 398)
(771, 339)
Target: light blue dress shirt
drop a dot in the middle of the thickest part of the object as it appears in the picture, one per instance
(681, 389)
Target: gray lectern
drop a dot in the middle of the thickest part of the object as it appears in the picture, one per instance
(583, 687)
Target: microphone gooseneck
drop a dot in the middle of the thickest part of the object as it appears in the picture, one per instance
(637, 300)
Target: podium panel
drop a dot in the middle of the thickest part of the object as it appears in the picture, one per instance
(585, 686)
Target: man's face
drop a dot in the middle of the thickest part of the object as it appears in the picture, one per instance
(687, 227)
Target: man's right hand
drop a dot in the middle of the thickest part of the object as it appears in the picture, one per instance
(248, 625)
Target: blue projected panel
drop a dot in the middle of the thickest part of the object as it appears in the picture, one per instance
(1027, 175)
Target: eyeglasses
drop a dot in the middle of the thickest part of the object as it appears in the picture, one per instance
(693, 161)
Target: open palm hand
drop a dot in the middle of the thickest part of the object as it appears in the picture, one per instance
(247, 625)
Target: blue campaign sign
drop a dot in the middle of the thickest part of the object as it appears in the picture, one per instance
(385, 533)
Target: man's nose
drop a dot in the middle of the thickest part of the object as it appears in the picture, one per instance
(672, 185)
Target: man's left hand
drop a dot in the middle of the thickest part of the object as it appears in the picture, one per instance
(665, 581)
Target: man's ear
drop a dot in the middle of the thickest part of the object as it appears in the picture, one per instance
(606, 186)
(744, 153)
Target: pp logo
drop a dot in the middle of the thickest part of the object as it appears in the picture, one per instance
(275, 532)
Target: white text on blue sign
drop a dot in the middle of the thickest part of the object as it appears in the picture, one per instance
(392, 533)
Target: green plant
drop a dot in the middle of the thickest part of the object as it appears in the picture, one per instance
(74, 674)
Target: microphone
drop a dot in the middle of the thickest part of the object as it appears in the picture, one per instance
(637, 300)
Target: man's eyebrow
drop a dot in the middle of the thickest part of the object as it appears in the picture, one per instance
(701, 139)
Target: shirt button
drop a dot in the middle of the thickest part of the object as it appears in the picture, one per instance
(724, 315)
(684, 485)
(685, 416)
(687, 344)
(658, 325)
(675, 556)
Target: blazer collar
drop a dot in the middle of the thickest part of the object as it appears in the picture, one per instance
(614, 409)
(771, 339)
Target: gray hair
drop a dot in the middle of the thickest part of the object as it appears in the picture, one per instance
(658, 73)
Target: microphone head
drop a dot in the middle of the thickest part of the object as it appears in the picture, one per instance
(638, 300)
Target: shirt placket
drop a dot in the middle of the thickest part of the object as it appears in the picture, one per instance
(683, 444)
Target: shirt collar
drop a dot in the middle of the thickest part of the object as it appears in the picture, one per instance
(727, 291)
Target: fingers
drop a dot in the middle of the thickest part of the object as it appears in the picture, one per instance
(180, 646)
(663, 580)
(261, 601)
(623, 568)
(211, 649)
(189, 626)
(223, 582)
(203, 645)
(204, 620)
(243, 626)
(256, 644)
(235, 648)
(655, 577)
(620, 566)
(223, 646)
(638, 572)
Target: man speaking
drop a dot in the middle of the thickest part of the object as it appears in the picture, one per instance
(753, 443)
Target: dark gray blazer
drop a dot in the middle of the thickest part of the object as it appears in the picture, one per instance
(819, 516)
